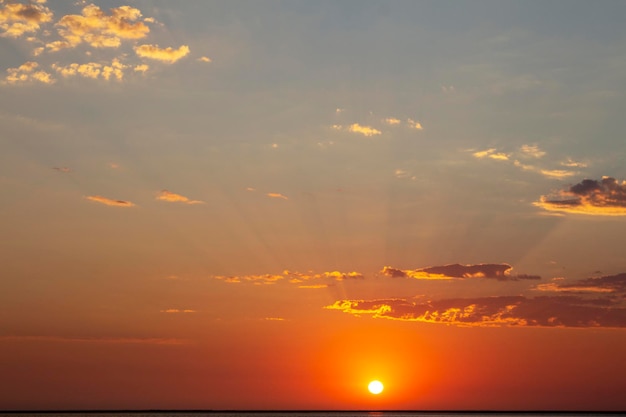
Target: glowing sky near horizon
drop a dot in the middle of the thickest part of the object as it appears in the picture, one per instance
(268, 204)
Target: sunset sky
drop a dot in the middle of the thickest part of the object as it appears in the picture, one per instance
(269, 204)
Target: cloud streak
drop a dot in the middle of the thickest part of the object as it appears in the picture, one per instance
(168, 55)
(109, 202)
(170, 197)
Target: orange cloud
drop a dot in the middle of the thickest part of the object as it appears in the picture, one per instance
(491, 153)
(560, 311)
(392, 121)
(17, 19)
(169, 55)
(109, 202)
(532, 151)
(294, 278)
(413, 124)
(98, 29)
(93, 70)
(606, 197)
(102, 340)
(277, 195)
(357, 128)
(603, 284)
(501, 272)
(176, 198)
(204, 59)
(176, 311)
(27, 72)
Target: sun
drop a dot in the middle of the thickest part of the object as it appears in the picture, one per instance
(375, 387)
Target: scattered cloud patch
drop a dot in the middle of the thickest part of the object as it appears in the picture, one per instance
(109, 202)
(204, 59)
(168, 55)
(605, 197)
(413, 124)
(28, 72)
(363, 130)
(170, 197)
(570, 163)
(93, 70)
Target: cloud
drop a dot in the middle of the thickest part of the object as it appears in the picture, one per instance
(491, 153)
(363, 130)
(274, 319)
(603, 284)
(27, 72)
(177, 311)
(265, 279)
(109, 202)
(98, 29)
(569, 162)
(175, 198)
(357, 128)
(606, 197)
(93, 70)
(293, 277)
(532, 151)
(392, 121)
(63, 170)
(17, 19)
(501, 272)
(169, 55)
(204, 59)
(557, 173)
(560, 311)
(277, 195)
(413, 124)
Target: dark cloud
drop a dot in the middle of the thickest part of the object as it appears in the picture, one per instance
(603, 284)
(501, 272)
(556, 311)
(605, 197)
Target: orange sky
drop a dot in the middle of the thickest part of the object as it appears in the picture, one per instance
(267, 205)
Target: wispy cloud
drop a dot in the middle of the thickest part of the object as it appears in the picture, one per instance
(277, 195)
(109, 202)
(177, 311)
(500, 272)
(602, 284)
(569, 162)
(168, 55)
(392, 121)
(204, 59)
(302, 279)
(359, 129)
(606, 197)
(170, 197)
(63, 170)
(491, 153)
(532, 151)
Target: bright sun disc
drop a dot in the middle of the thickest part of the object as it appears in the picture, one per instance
(375, 387)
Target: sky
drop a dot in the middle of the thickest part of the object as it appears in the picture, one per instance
(269, 204)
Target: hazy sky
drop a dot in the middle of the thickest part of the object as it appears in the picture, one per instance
(268, 204)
